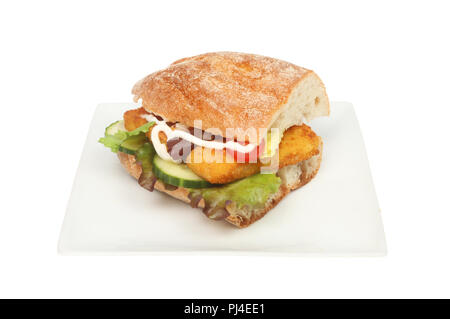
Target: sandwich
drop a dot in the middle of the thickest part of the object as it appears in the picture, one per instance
(224, 132)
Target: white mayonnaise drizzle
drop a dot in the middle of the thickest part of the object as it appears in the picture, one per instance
(161, 149)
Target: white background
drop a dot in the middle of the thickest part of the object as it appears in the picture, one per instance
(59, 59)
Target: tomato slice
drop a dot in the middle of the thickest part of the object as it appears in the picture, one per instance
(250, 157)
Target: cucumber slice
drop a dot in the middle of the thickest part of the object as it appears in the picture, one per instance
(177, 174)
(132, 144)
(114, 128)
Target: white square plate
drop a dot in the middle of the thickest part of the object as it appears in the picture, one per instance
(336, 214)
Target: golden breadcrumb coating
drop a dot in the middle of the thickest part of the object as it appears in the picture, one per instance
(200, 161)
(299, 143)
(133, 118)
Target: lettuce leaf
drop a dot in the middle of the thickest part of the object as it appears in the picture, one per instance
(141, 129)
(252, 191)
(114, 141)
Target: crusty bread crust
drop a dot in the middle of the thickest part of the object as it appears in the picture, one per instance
(309, 168)
(229, 90)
